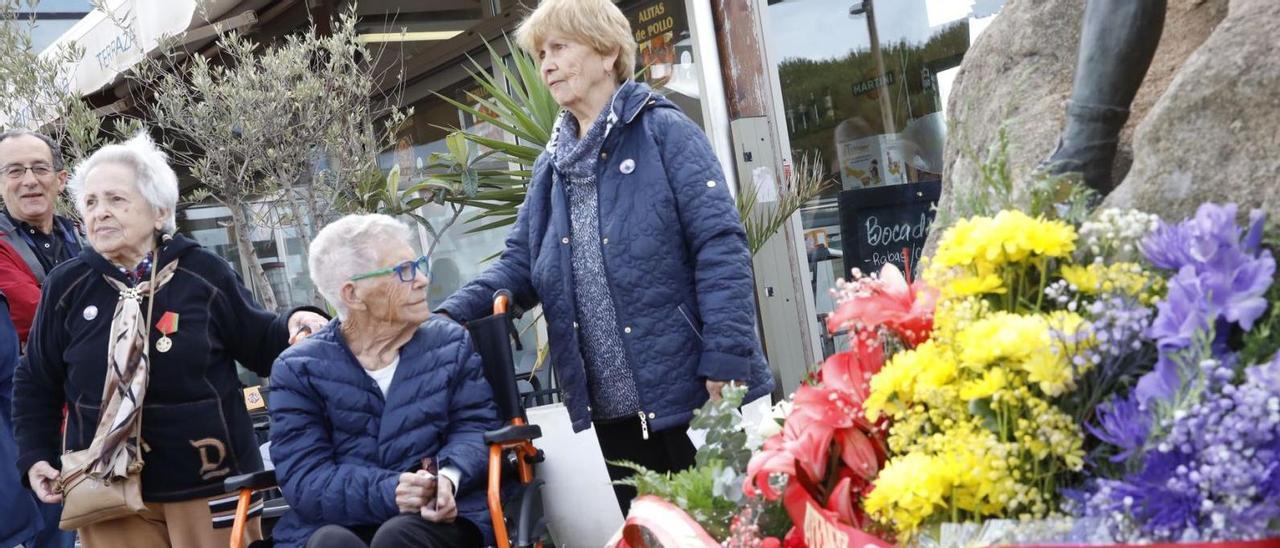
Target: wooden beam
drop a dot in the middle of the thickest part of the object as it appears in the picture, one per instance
(742, 59)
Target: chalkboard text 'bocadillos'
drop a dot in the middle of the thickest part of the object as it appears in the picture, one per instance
(896, 233)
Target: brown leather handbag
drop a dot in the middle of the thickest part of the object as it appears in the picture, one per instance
(87, 500)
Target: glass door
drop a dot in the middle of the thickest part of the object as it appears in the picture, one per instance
(863, 86)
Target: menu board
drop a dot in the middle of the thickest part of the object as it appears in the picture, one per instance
(887, 224)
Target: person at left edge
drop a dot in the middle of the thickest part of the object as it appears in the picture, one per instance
(33, 239)
(22, 518)
(194, 421)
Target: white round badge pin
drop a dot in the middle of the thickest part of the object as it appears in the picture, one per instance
(627, 166)
(90, 312)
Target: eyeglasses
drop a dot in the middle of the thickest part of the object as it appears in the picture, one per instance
(16, 172)
(407, 271)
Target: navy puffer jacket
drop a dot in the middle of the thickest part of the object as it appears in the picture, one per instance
(676, 258)
(339, 446)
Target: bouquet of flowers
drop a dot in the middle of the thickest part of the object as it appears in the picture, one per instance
(1101, 381)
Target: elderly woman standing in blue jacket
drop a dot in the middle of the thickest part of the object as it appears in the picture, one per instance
(360, 407)
(630, 240)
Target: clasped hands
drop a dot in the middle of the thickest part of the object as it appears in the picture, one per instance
(426, 494)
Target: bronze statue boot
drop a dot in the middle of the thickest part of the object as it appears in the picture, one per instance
(1088, 144)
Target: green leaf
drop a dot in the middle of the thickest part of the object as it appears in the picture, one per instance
(499, 223)
(393, 181)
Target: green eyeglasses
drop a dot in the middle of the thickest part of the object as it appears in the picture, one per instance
(407, 271)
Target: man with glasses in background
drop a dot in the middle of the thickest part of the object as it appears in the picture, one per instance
(33, 240)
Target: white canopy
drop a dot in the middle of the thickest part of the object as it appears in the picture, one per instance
(107, 50)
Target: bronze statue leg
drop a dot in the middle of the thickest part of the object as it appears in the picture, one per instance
(1117, 43)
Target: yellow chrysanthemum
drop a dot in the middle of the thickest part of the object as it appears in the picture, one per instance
(1050, 371)
(992, 381)
(908, 490)
(1001, 336)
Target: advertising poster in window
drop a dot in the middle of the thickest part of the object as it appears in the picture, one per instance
(661, 32)
(871, 162)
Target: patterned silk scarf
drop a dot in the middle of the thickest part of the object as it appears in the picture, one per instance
(114, 453)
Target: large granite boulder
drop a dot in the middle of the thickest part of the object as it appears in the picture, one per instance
(1214, 135)
(1018, 75)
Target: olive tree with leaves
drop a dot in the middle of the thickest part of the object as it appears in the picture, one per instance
(275, 133)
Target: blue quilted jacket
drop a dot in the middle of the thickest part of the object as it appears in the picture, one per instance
(339, 446)
(675, 255)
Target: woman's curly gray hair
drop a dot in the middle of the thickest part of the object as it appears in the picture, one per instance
(347, 247)
(154, 179)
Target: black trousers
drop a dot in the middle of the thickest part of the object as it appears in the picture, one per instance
(666, 451)
(402, 531)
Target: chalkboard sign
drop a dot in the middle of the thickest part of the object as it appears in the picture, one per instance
(886, 224)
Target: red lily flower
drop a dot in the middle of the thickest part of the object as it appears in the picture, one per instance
(888, 301)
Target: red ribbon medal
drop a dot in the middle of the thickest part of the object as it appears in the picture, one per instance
(167, 325)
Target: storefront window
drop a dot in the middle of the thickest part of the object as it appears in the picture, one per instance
(864, 86)
(664, 52)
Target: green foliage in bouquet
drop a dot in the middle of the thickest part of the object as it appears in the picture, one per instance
(711, 490)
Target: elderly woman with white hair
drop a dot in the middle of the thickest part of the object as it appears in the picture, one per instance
(365, 412)
(147, 326)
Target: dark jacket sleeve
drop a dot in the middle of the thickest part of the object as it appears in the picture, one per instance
(472, 412)
(318, 487)
(254, 336)
(38, 386)
(512, 271)
(8, 360)
(19, 285)
(714, 233)
(16, 505)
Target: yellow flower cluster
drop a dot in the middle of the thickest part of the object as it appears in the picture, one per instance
(975, 432)
(1010, 237)
(1123, 278)
(982, 255)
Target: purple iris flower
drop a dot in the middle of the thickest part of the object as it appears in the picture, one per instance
(1123, 424)
(1167, 247)
(1244, 300)
(1185, 310)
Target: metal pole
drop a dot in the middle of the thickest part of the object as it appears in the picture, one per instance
(886, 106)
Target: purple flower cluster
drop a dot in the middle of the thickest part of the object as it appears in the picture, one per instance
(1222, 278)
(1116, 324)
(1201, 450)
(1215, 476)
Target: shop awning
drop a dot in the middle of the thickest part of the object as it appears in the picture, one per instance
(107, 50)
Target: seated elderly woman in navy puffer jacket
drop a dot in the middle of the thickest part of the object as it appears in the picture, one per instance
(360, 407)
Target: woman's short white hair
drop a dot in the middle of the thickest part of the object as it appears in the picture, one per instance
(347, 247)
(154, 179)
